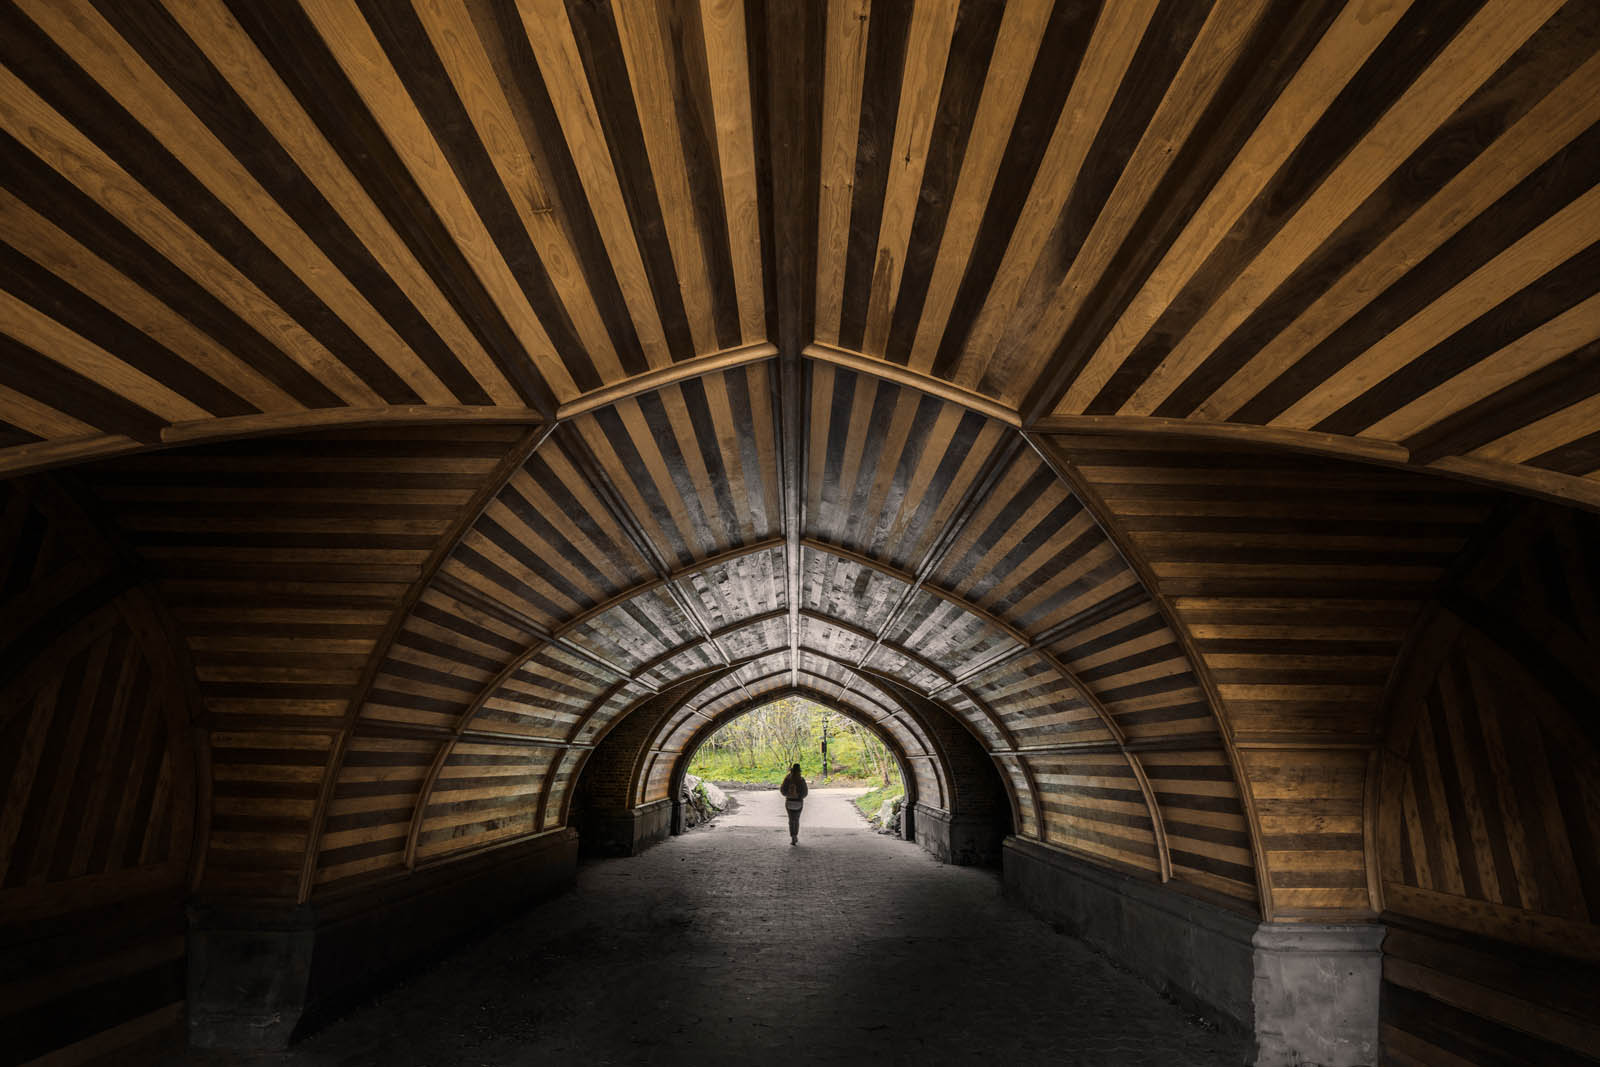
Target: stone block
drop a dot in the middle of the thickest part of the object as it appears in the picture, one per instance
(1308, 994)
(262, 975)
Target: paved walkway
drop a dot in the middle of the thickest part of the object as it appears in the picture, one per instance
(762, 809)
(729, 946)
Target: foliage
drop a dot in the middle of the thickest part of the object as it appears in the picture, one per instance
(762, 745)
(871, 803)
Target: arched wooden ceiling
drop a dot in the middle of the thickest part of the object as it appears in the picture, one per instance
(859, 341)
(1364, 227)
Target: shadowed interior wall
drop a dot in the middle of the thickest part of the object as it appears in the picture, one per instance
(97, 792)
(1490, 819)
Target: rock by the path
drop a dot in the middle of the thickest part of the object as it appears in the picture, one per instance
(701, 801)
(888, 818)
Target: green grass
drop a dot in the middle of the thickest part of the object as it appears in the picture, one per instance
(871, 802)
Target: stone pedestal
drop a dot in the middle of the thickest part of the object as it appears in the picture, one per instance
(964, 840)
(1307, 993)
(261, 974)
(1315, 994)
(629, 831)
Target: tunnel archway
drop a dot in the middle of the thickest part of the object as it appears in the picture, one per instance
(707, 730)
(1116, 384)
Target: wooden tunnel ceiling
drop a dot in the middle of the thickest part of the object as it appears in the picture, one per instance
(836, 347)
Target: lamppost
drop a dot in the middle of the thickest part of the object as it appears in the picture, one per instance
(824, 746)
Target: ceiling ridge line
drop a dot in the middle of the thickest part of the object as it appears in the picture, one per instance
(791, 403)
(497, 479)
(1106, 520)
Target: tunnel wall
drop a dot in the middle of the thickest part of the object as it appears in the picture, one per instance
(98, 805)
(262, 975)
(1489, 837)
(605, 811)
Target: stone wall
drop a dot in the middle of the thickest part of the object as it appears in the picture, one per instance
(966, 840)
(261, 976)
(1308, 993)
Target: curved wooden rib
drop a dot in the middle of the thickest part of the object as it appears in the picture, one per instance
(828, 620)
(1103, 517)
(709, 363)
(913, 379)
(525, 447)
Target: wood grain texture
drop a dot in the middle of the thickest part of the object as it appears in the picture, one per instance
(1363, 219)
(1348, 228)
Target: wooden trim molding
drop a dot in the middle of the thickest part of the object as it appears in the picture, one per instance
(922, 383)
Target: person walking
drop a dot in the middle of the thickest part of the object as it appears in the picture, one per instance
(794, 798)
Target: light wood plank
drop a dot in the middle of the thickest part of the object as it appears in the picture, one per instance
(362, 59)
(482, 94)
(1352, 37)
(45, 133)
(723, 24)
(1492, 37)
(843, 71)
(85, 35)
(1015, 49)
(933, 25)
(1547, 246)
(556, 50)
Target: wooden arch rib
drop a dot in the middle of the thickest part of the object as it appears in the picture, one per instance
(525, 447)
(1125, 547)
(22, 459)
(856, 669)
(560, 633)
(903, 715)
(710, 677)
(717, 674)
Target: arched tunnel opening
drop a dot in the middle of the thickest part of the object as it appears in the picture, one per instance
(630, 791)
(1172, 427)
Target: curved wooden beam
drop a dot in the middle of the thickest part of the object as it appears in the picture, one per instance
(1109, 525)
(719, 673)
(922, 383)
(856, 669)
(651, 380)
(502, 473)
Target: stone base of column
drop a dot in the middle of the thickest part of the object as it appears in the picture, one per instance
(261, 975)
(963, 840)
(627, 831)
(1315, 994)
(1308, 994)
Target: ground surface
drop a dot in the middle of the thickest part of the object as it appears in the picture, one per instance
(730, 946)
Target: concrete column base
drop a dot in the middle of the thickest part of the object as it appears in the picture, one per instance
(963, 840)
(261, 975)
(1315, 994)
(629, 831)
(1308, 994)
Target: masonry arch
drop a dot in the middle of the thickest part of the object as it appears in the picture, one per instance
(913, 767)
